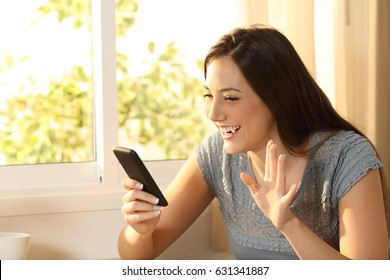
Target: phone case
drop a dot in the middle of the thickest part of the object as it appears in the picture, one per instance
(136, 169)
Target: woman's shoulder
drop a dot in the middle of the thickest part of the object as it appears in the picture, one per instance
(341, 141)
(334, 137)
(346, 154)
(347, 137)
(211, 151)
(211, 144)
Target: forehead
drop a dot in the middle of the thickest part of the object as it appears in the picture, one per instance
(224, 72)
(223, 67)
(222, 62)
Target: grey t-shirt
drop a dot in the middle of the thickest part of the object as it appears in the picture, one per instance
(329, 173)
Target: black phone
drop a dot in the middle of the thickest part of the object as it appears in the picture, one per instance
(136, 169)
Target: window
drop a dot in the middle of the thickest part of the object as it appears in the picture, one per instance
(160, 75)
(43, 186)
(62, 185)
(46, 113)
(148, 52)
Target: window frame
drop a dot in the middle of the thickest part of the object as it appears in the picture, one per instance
(91, 186)
(64, 187)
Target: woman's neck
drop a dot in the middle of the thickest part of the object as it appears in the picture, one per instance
(294, 165)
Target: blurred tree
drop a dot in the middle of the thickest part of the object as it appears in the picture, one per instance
(157, 106)
(51, 127)
(160, 106)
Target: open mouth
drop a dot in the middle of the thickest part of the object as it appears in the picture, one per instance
(230, 130)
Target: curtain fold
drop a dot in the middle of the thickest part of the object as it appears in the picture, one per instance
(362, 71)
(383, 96)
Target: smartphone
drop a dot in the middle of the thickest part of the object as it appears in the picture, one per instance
(136, 169)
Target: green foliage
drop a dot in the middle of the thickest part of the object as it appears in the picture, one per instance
(161, 106)
(67, 9)
(54, 126)
(75, 10)
(126, 11)
(157, 107)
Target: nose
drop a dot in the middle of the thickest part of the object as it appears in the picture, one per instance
(215, 112)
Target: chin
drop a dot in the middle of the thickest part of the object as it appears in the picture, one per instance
(232, 150)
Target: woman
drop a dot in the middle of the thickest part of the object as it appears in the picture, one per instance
(293, 178)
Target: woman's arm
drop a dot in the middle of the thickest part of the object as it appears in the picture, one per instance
(188, 196)
(363, 231)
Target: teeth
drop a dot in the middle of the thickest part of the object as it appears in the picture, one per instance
(230, 129)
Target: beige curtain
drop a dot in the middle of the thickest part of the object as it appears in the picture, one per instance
(363, 72)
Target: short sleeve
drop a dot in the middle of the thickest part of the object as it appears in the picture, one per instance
(209, 159)
(357, 157)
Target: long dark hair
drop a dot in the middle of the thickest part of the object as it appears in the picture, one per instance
(277, 74)
(273, 68)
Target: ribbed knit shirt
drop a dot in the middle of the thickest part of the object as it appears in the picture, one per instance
(330, 172)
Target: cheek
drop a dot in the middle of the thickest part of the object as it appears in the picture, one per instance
(261, 117)
(206, 109)
(253, 113)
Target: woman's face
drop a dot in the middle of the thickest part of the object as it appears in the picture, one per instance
(241, 117)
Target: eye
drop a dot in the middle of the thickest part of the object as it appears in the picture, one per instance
(231, 99)
(207, 96)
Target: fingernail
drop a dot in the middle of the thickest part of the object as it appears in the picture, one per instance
(153, 200)
(157, 208)
(139, 186)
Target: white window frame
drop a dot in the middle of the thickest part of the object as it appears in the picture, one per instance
(92, 186)
(63, 187)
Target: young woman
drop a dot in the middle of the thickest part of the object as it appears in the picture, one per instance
(294, 179)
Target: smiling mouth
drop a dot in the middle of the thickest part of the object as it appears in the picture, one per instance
(229, 130)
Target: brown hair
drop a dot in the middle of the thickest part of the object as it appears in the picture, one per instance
(277, 74)
(273, 68)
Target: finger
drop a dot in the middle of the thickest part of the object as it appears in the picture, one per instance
(141, 216)
(272, 168)
(266, 167)
(249, 182)
(280, 174)
(129, 184)
(289, 197)
(138, 206)
(134, 194)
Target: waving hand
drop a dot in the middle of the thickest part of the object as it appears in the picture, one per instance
(272, 195)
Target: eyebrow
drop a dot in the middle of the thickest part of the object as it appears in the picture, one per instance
(224, 89)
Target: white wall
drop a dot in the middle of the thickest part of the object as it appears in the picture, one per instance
(93, 235)
(86, 226)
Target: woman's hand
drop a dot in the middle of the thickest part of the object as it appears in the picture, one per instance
(271, 195)
(140, 208)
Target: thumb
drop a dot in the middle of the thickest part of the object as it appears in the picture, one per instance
(249, 182)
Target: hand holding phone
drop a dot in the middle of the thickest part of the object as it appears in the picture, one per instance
(136, 169)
